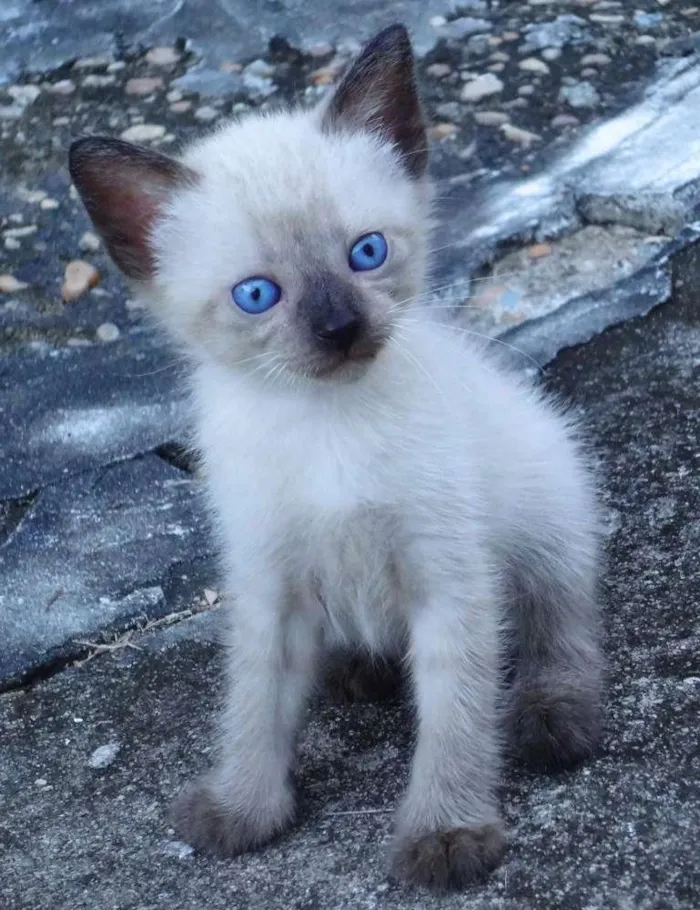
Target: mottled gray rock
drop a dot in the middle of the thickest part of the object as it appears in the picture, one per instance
(618, 833)
(580, 94)
(91, 554)
(75, 408)
(40, 36)
(621, 172)
(560, 32)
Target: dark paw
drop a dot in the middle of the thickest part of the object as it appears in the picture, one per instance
(207, 823)
(552, 730)
(356, 678)
(449, 860)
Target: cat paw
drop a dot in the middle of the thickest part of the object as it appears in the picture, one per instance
(449, 859)
(356, 678)
(207, 822)
(554, 728)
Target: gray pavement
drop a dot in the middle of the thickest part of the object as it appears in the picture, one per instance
(570, 204)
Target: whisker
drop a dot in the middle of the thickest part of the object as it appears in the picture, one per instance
(489, 338)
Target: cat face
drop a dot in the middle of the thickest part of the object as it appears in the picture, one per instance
(286, 244)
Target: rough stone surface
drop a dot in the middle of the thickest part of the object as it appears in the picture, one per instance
(77, 408)
(620, 832)
(90, 555)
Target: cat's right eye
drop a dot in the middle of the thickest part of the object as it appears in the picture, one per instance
(256, 295)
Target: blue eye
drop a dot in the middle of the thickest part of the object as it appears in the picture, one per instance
(255, 295)
(369, 252)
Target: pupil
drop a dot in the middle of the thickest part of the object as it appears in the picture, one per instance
(368, 250)
(256, 294)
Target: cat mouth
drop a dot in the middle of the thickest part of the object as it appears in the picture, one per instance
(348, 364)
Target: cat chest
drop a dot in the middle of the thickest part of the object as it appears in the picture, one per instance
(356, 578)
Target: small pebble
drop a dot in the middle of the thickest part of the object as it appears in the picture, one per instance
(179, 849)
(490, 118)
(579, 95)
(180, 107)
(534, 65)
(79, 277)
(97, 81)
(526, 90)
(40, 782)
(539, 250)
(437, 21)
(63, 87)
(496, 67)
(49, 204)
(24, 94)
(162, 56)
(103, 756)
(15, 233)
(91, 63)
(499, 57)
(108, 331)
(589, 73)
(34, 196)
(595, 60)
(205, 114)
(510, 36)
(116, 67)
(12, 244)
(516, 134)
(450, 110)
(551, 53)
(9, 284)
(320, 49)
(645, 41)
(325, 75)
(443, 131)
(143, 132)
(481, 87)
(562, 120)
(211, 596)
(607, 18)
(144, 86)
(89, 242)
(439, 70)
(174, 95)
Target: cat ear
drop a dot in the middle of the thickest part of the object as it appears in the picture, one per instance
(379, 94)
(124, 189)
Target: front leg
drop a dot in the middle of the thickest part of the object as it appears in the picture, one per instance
(248, 798)
(448, 828)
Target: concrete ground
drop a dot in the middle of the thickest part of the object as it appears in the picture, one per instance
(572, 221)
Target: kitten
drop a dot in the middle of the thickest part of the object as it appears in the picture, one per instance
(376, 482)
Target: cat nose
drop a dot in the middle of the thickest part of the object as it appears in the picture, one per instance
(340, 330)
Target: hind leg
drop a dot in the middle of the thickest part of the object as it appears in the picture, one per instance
(555, 708)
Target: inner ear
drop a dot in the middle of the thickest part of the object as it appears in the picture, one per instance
(379, 94)
(124, 189)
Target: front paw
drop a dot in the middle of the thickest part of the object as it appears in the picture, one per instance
(211, 821)
(448, 859)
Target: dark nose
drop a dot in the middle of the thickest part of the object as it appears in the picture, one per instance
(338, 331)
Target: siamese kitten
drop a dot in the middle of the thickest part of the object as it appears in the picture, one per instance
(377, 482)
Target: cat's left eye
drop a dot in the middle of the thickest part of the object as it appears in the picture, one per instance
(368, 252)
(256, 295)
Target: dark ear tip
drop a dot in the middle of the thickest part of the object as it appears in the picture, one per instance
(87, 147)
(392, 38)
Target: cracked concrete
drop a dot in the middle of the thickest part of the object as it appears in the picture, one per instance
(557, 222)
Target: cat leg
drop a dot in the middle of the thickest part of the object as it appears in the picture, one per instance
(555, 713)
(448, 829)
(248, 798)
